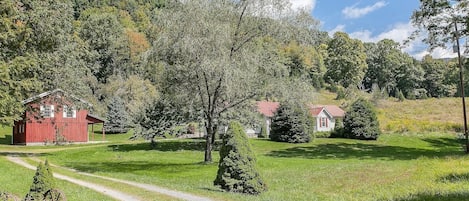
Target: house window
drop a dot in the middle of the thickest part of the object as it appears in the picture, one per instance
(47, 111)
(21, 128)
(323, 122)
(69, 112)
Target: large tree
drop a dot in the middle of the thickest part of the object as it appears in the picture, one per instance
(437, 19)
(391, 69)
(218, 55)
(346, 63)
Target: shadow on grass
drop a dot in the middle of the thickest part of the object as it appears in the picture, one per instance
(454, 178)
(6, 140)
(439, 148)
(188, 145)
(137, 166)
(456, 196)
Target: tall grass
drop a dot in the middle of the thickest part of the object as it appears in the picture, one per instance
(418, 116)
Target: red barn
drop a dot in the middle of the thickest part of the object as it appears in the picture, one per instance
(54, 117)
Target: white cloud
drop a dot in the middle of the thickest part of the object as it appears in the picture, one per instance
(354, 12)
(399, 33)
(300, 4)
(339, 27)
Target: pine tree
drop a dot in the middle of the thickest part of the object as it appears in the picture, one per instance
(117, 117)
(291, 124)
(43, 181)
(236, 169)
(361, 121)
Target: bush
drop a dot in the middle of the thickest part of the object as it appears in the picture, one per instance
(291, 124)
(43, 181)
(322, 134)
(55, 195)
(361, 121)
(236, 169)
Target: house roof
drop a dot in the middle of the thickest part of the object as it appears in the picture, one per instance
(333, 110)
(47, 93)
(94, 119)
(267, 108)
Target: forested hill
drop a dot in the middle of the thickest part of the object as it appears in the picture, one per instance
(145, 50)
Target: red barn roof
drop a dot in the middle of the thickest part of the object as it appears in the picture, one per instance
(267, 108)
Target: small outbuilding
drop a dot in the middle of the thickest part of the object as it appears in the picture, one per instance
(54, 117)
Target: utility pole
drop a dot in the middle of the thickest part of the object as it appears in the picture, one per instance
(461, 78)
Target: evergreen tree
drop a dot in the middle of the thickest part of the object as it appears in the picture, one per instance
(236, 169)
(360, 121)
(43, 181)
(291, 124)
(117, 117)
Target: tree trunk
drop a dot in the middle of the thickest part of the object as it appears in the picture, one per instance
(208, 144)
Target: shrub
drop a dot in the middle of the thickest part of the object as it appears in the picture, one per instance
(291, 124)
(361, 121)
(322, 134)
(55, 195)
(43, 181)
(236, 169)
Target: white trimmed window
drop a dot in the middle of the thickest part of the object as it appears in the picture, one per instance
(323, 122)
(47, 111)
(69, 112)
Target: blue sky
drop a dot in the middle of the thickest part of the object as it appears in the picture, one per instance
(370, 21)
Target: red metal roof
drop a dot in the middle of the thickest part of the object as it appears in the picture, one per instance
(315, 111)
(334, 110)
(267, 108)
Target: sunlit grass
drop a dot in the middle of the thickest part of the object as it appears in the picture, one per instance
(392, 168)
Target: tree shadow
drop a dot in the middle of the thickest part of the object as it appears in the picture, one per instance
(456, 196)
(454, 178)
(6, 140)
(136, 166)
(188, 145)
(368, 151)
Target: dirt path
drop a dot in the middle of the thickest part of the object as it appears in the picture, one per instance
(114, 193)
(101, 189)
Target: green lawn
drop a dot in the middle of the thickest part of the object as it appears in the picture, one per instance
(393, 168)
(396, 167)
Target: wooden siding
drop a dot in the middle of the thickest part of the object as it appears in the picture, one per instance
(45, 130)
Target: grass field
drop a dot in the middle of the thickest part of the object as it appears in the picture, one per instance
(420, 158)
(393, 168)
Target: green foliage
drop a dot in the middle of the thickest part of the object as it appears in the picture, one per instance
(55, 195)
(435, 77)
(159, 118)
(43, 181)
(117, 119)
(237, 167)
(346, 61)
(360, 121)
(291, 124)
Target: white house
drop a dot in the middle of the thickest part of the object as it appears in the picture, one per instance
(325, 116)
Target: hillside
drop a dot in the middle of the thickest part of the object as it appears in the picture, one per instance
(415, 116)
